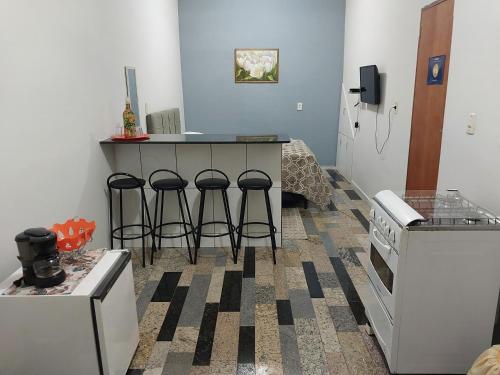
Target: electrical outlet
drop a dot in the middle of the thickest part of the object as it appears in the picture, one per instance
(299, 106)
(471, 124)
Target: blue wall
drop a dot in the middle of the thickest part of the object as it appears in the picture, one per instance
(310, 36)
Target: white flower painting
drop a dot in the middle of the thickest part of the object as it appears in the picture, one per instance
(256, 65)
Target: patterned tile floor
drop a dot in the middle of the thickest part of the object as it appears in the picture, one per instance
(300, 316)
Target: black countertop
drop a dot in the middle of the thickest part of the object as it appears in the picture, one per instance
(205, 139)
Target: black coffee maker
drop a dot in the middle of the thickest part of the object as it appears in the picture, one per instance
(39, 258)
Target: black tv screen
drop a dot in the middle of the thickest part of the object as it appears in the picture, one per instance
(369, 84)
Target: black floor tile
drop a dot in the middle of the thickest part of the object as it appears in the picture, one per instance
(246, 345)
(361, 218)
(166, 288)
(335, 175)
(230, 299)
(249, 263)
(169, 325)
(335, 185)
(358, 310)
(332, 207)
(203, 351)
(313, 284)
(285, 317)
(352, 195)
(345, 280)
(349, 290)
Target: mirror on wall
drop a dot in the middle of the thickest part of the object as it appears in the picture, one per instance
(131, 84)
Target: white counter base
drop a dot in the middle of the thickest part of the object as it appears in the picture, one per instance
(189, 159)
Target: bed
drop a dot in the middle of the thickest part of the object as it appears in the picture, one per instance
(302, 175)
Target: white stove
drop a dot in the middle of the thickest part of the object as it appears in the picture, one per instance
(434, 280)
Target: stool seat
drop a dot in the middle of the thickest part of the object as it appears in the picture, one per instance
(127, 183)
(263, 184)
(169, 184)
(212, 183)
(255, 184)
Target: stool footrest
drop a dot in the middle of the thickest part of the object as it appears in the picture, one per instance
(176, 235)
(233, 229)
(131, 236)
(239, 231)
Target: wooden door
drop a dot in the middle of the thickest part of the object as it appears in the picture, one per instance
(429, 100)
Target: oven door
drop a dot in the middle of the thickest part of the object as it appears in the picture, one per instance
(382, 268)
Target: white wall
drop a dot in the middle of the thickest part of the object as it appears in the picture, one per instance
(386, 33)
(62, 89)
(472, 163)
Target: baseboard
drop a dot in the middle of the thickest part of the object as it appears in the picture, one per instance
(360, 191)
(328, 166)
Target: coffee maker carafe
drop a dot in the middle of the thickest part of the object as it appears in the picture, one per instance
(39, 258)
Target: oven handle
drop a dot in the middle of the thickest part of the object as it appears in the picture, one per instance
(381, 240)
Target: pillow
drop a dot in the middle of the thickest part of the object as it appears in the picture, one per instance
(488, 363)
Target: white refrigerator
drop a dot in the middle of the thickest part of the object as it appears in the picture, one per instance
(92, 330)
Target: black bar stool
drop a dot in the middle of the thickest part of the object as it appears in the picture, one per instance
(214, 183)
(177, 184)
(129, 182)
(256, 183)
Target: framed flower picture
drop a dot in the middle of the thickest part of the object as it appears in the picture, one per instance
(256, 65)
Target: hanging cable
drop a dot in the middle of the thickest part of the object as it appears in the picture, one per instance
(381, 149)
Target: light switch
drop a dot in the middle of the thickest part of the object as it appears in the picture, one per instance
(299, 106)
(471, 124)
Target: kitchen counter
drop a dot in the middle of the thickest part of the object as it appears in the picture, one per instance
(206, 139)
(187, 155)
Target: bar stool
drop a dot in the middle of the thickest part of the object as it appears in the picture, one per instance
(177, 184)
(129, 182)
(260, 184)
(214, 183)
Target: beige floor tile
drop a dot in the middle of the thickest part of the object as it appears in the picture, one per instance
(184, 340)
(187, 275)
(215, 288)
(264, 280)
(264, 267)
(148, 329)
(295, 278)
(327, 330)
(336, 364)
(335, 297)
(223, 367)
(267, 341)
(200, 370)
(158, 356)
(225, 347)
(291, 258)
(280, 284)
(357, 357)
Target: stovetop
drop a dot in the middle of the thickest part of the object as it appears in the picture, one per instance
(449, 209)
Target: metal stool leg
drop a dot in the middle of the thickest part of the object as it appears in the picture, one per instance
(189, 216)
(200, 222)
(161, 218)
(143, 240)
(230, 226)
(121, 219)
(242, 218)
(181, 208)
(110, 218)
(153, 234)
(151, 228)
(271, 225)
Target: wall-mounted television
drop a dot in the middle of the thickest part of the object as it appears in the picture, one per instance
(369, 84)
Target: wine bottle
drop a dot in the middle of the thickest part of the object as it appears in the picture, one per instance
(129, 126)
